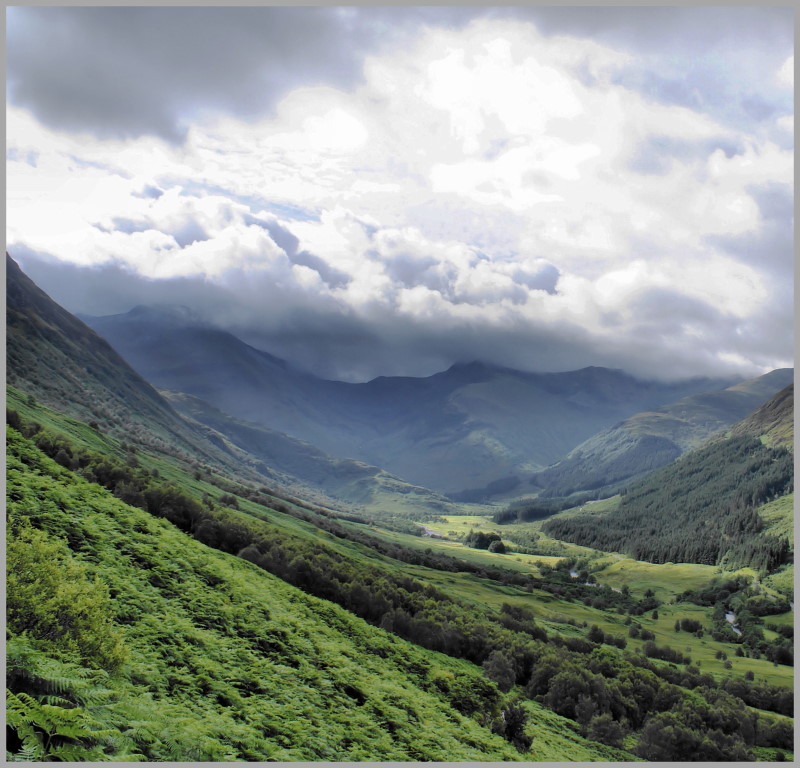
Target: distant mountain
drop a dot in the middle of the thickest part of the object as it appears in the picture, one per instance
(459, 429)
(651, 439)
(350, 481)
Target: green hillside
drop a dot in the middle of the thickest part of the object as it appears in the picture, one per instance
(652, 439)
(700, 509)
(173, 651)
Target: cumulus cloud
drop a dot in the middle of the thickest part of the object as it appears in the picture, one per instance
(489, 190)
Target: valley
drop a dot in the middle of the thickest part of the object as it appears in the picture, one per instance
(188, 582)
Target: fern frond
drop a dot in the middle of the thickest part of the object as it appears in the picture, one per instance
(29, 753)
(77, 753)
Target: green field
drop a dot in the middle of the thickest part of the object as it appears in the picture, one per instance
(667, 581)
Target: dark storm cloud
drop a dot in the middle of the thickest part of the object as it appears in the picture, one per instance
(132, 71)
(111, 288)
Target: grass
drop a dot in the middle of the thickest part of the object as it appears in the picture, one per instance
(556, 615)
(779, 517)
(666, 580)
(203, 686)
(782, 581)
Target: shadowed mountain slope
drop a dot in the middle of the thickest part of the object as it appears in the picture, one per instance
(348, 480)
(61, 361)
(773, 422)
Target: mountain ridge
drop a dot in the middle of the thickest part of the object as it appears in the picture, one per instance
(471, 423)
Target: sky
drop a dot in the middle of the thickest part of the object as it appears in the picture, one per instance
(370, 191)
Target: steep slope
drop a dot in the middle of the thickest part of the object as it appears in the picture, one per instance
(174, 649)
(452, 431)
(53, 356)
(773, 422)
(206, 656)
(706, 507)
(648, 440)
(204, 659)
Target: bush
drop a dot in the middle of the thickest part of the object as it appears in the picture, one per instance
(52, 597)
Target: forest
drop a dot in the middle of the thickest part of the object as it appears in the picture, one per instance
(700, 510)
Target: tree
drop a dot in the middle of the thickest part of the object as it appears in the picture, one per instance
(511, 726)
(498, 547)
(606, 730)
(498, 667)
(596, 635)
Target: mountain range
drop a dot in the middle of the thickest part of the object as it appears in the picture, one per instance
(55, 357)
(472, 432)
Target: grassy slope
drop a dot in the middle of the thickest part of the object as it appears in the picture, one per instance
(773, 421)
(666, 580)
(228, 662)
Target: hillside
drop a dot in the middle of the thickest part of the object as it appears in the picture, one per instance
(706, 506)
(202, 656)
(652, 439)
(183, 655)
(773, 422)
(454, 431)
(56, 358)
(168, 609)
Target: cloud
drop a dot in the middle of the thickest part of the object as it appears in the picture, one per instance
(243, 60)
(490, 190)
(786, 73)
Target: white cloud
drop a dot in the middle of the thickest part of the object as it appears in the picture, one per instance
(786, 73)
(441, 187)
